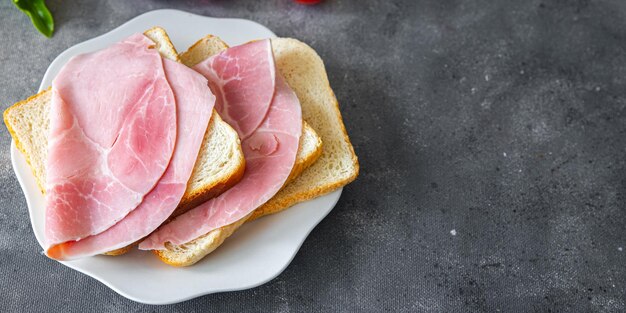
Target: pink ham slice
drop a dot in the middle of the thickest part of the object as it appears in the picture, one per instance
(244, 98)
(112, 135)
(270, 152)
(194, 105)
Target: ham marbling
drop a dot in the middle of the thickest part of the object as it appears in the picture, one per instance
(112, 135)
(244, 98)
(269, 148)
(194, 105)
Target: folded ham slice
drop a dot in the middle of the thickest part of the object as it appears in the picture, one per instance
(194, 105)
(112, 135)
(244, 79)
(269, 147)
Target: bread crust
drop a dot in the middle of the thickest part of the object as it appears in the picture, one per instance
(9, 124)
(197, 197)
(157, 32)
(120, 251)
(277, 206)
(195, 55)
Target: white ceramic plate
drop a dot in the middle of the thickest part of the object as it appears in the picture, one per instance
(255, 254)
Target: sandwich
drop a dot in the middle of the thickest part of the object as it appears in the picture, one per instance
(219, 165)
(304, 71)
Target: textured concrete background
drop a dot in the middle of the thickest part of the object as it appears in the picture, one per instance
(491, 136)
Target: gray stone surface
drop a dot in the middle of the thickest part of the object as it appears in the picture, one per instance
(492, 140)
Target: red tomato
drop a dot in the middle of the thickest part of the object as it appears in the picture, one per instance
(308, 1)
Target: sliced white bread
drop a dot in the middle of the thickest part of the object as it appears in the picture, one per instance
(337, 165)
(304, 71)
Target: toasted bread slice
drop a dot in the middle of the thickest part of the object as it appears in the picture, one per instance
(219, 166)
(304, 71)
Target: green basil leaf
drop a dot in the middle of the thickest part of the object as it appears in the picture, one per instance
(39, 15)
